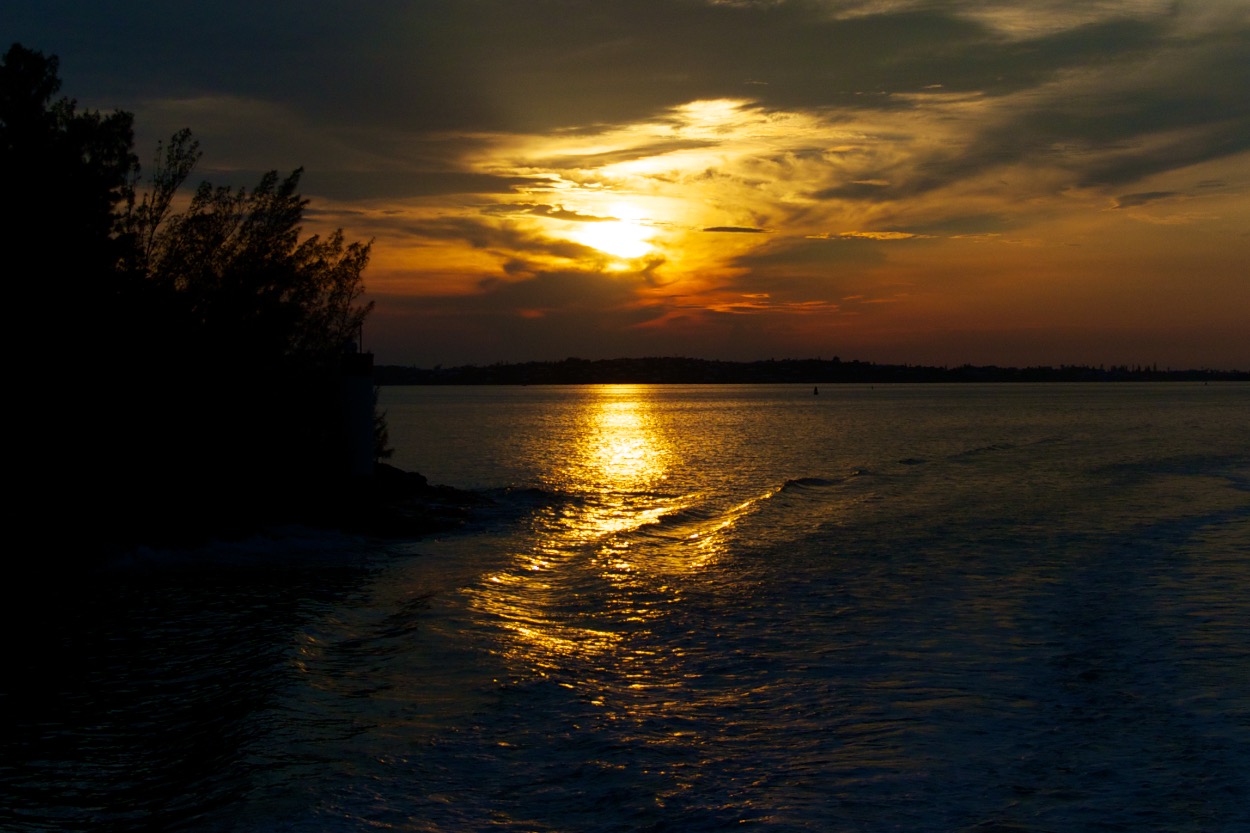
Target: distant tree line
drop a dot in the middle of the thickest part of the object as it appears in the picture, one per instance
(672, 370)
(176, 355)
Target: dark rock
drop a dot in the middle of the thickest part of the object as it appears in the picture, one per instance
(398, 503)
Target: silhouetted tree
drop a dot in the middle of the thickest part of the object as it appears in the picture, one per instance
(187, 365)
(259, 317)
(235, 259)
(64, 174)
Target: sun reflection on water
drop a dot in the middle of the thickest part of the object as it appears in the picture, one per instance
(582, 593)
(619, 460)
(621, 445)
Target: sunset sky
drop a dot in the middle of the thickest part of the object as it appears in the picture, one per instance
(922, 181)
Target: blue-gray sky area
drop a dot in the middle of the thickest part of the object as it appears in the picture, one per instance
(925, 181)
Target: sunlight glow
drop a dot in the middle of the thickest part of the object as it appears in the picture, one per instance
(626, 236)
(624, 451)
(723, 215)
(616, 458)
(618, 238)
(620, 452)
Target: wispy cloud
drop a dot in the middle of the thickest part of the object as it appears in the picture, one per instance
(873, 235)
(1143, 198)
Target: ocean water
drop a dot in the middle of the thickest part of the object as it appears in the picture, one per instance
(691, 608)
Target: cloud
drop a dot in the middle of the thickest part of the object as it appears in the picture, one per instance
(1143, 198)
(615, 156)
(1061, 70)
(551, 292)
(555, 212)
(874, 235)
(544, 315)
(509, 241)
(390, 185)
(736, 230)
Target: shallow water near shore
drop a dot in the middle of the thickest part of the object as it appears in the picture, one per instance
(929, 607)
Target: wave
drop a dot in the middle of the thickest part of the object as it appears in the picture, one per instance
(699, 517)
(996, 447)
(806, 483)
(800, 484)
(668, 521)
(982, 449)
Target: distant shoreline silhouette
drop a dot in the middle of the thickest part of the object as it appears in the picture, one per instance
(674, 370)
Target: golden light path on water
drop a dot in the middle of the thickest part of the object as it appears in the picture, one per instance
(578, 605)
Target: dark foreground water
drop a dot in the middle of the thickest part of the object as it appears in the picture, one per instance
(919, 608)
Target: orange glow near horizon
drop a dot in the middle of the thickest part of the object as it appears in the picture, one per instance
(718, 222)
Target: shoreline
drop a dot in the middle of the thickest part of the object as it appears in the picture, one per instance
(393, 504)
(675, 370)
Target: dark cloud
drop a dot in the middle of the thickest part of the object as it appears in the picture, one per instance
(1183, 106)
(548, 292)
(380, 185)
(736, 230)
(546, 315)
(497, 64)
(471, 65)
(405, 184)
(1138, 83)
(956, 225)
(1204, 143)
(793, 270)
(555, 212)
(639, 151)
(859, 190)
(505, 239)
(1143, 198)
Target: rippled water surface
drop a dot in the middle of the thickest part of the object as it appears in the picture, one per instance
(946, 608)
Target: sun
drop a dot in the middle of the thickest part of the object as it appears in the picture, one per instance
(619, 238)
(625, 236)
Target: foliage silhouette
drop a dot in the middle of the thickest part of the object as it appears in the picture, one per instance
(64, 174)
(234, 258)
(207, 342)
(262, 317)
